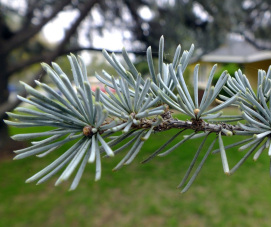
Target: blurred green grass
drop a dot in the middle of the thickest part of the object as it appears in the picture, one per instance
(139, 195)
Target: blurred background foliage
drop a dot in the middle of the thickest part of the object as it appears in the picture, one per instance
(85, 27)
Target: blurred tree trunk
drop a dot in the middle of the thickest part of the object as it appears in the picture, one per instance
(4, 138)
(5, 35)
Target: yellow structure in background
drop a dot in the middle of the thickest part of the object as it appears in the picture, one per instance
(236, 50)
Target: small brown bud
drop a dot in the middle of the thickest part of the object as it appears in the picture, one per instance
(87, 131)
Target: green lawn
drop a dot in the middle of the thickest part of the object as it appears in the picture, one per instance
(140, 195)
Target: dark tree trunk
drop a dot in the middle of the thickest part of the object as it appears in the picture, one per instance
(3, 81)
(4, 137)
